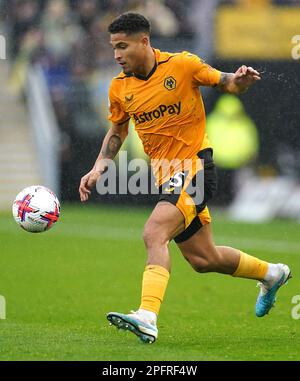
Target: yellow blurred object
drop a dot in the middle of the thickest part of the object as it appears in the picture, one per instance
(134, 145)
(256, 33)
(18, 76)
(255, 3)
(232, 133)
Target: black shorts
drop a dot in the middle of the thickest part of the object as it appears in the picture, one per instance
(198, 215)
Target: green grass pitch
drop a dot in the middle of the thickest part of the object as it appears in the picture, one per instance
(60, 284)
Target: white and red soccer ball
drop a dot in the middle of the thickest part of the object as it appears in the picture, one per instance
(36, 209)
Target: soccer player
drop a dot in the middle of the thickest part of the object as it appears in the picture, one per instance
(159, 92)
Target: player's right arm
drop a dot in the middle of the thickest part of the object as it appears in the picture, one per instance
(110, 148)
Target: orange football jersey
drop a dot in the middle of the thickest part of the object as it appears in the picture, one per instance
(166, 107)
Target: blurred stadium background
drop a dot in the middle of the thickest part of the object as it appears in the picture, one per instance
(59, 65)
(55, 71)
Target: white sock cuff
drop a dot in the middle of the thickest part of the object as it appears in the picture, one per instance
(272, 272)
(149, 315)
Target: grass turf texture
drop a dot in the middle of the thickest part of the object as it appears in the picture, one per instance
(60, 284)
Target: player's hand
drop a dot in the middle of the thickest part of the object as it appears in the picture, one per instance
(246, 76)
(87, 183)
(90, 179)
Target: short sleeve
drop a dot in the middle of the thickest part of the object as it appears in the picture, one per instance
(202, 73)
(116, 112)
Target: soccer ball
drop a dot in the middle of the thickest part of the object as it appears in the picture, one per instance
(36, 209)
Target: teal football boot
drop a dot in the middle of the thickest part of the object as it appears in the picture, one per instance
(134, 323)
(267, 294)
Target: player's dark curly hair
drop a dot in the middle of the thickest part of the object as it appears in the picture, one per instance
(130, 23)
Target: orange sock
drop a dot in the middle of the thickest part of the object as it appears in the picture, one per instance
(251, 267)
(155, 281)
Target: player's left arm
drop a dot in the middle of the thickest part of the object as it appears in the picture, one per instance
(238, 82)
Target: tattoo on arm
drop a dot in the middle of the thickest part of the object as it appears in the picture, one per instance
(113, 146)
(224, 80)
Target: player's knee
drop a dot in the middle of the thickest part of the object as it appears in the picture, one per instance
(154, 235)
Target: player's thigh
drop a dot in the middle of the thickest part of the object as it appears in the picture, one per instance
(199, 245)
(165, 221)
